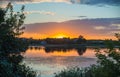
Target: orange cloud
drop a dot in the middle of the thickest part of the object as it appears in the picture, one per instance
(89, 28)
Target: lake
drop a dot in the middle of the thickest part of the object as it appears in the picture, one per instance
(48, 60)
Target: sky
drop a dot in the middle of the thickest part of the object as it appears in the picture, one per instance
(94, 19)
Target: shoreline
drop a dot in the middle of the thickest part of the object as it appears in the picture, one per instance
(73, 45)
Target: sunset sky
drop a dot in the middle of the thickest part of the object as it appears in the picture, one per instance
(94, 19)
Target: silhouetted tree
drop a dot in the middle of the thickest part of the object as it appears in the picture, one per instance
(11, 45)
(81, 40)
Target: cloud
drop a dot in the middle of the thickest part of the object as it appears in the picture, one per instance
(3, 3)
(99, 27)
(40, 12)
(81, 16)
(91, 27)
(116, 26)
(32, 1)
(87, 2)
(101, 2)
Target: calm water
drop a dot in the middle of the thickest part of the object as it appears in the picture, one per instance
(47, 61)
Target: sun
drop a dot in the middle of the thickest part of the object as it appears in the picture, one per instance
(60, 36)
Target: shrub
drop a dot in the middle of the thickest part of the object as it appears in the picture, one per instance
(108, 64)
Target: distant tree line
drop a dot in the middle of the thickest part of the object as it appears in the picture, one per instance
(69, 41)
(79, 40)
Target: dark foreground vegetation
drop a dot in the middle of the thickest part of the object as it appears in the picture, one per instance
(11, 46)
(108, 64)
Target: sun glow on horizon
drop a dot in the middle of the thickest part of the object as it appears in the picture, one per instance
(60, 36)
(63, 35)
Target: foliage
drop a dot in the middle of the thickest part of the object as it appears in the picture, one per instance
(10, 70)
(10, 28)
(81, 40)
(73, 72)
(108, 64)
(11, 46)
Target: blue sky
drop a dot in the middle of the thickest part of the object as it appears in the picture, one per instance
(65, 11)
(101, 17)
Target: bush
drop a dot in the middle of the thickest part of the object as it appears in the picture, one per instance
(108, 64)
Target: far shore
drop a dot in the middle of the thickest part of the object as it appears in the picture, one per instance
(73, 45)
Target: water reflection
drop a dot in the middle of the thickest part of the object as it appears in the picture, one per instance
(48, 60)
(79, 50)
(35, 47)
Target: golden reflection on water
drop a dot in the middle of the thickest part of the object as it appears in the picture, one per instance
(42, 52)
(47, 61)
